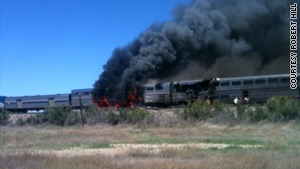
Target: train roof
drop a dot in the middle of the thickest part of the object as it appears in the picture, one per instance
(225, 78)
(187, 82)
(153, 84)
(49, 95)
(82, 90)
(257, 77)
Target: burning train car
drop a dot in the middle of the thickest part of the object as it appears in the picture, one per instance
(172, 93)
(257, 88)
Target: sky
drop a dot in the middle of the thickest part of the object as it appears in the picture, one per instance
(55, 46)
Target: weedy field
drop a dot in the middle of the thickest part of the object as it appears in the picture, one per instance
(189, 145)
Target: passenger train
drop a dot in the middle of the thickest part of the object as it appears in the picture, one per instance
(40, 102)
(257, 88)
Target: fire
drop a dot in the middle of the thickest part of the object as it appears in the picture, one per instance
(130, 101)
(117, 106)
(106, 102)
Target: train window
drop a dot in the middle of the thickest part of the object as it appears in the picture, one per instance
(236, 83)
(273, 80)
(248, 82)
(86, 93)
(224, 97)
(285, 80)
(150, 88)
(158, 86)
(225, 84)
(260, 81)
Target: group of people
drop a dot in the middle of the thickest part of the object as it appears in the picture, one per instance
(246, 100)
(236, 101)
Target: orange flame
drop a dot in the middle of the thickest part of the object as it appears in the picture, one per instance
(106, 102)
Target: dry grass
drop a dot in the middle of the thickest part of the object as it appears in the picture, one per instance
(152, 147)
(166, 159)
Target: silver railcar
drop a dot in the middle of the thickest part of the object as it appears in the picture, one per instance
(25, 103)
(257, 88)
(83, 96)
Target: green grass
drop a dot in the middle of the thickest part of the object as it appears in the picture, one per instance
(227, 149)
(99, 145)
(233, 141)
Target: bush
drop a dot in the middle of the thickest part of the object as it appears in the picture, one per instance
(20, 122)
(124, 115)
(113, 118)
(241, 110)
(257, 114)
(218, 106)
(73, 118)
(94, 115)
(61, 116)
(220, 113)
(137, 115)
(54, 115)
(132, 116)
(4, 116)
(197, 111)
(279, 108)
(283, 108)
(37, 119)
(216, 112)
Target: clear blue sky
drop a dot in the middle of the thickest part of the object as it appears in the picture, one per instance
(54, 46)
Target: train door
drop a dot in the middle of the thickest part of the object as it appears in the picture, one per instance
(245, 93)
(51, 102)
(19, 103)
(70, 99)
(171, 93)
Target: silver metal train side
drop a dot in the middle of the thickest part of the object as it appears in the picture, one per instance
(257, 88)
(40, 102)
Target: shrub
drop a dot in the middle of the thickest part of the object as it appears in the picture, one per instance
(241, 111)
(216, 112)
(113, 118)
(37, 119)
(4, 116)
(280, 108)
(57, 115)
(94, 115)
(20, 122)
(283, 108)
(124, 115)
(197, 111)
(218, 106)
(221, 114)
(72, 118)
(137, 115)
(132, 116)
(257, 114)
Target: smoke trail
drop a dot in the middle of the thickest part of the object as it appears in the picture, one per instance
(216, 37)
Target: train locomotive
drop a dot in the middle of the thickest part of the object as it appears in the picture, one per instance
(257, 88)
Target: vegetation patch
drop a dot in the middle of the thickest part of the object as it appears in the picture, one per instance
(95, 115)
(277, 109)
(4, 116)
(233, 141)
(99, 145)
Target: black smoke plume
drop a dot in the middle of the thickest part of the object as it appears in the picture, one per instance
(206, 38)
